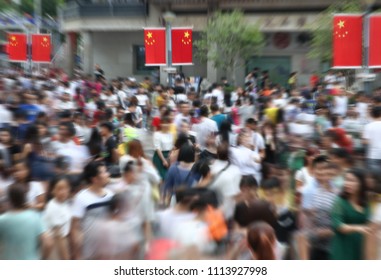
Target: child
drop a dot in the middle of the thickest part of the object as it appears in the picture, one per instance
(57, 215)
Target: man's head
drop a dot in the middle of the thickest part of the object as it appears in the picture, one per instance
(319, 167)
(66, 130)
(130, 172)
(184, 108)
(376, 112)
(95, 173)
(106, 129)
(251, 123)
(17, 195)
(214, 108)
(204, 111)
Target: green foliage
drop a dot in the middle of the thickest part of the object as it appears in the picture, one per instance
(322, 28)
(47, 6)
(229, 39)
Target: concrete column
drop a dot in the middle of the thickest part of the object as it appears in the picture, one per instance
(88, 52)
(71, 51)
(163, 76)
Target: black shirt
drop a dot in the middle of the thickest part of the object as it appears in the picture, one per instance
(109, 147)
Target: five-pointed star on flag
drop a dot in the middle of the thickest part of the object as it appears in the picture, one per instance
(341, 24)
(149, 35)
(13, 38)
(45, 39)
(186, 34)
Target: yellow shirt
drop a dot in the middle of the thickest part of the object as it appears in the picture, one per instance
(272, 114)
(173, 131)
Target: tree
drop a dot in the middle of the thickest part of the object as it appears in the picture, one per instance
(48, 7)
(228, 40)
(321, 29)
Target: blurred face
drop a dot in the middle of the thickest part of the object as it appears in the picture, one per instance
(130, 177)
(63, 131)
(351, 184)
(184, 128)
(273, 196)
(103, 131)
(103, 176)
(5, 137)
(185, 109)
(165, 126)
(21, 172)
(61, 190)
(320, 173)
(42, 130)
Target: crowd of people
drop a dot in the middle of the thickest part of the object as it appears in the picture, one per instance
(258, 171)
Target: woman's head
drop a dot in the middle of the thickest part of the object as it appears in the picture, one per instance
(165, 124)
(261, 239)
(187, 154)
(21, 171)
(355, 186)
(134, 101)
(181, 140)
(336, 120)
(129, 119)
(59, 188)
(135, 149)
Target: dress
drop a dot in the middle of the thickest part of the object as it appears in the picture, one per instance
(164, 142)
(347, 246)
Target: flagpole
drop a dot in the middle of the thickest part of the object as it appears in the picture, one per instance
(169, 18)
(37, 16)
(366, 71)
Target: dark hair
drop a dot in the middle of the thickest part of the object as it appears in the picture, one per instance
(108, 126)
(108, 113)
(204, 111)
(32, 135)
(341, 153)
(362, 196)
(248, 181)
(181, 140)
(335, 119)
(91, 170)
(70, 127)
(187, 154)
(214, 107)
(203, 168)
(129, 119)
(65, 114)
(251, 121)
(223, 151)
(17, 195)
(95, 142)
(271, 183)
(53, 183)
(116, 203)
(318, 160)
(8, 130)
(225, 129)
(257, 210)
(129, 167)
(376, 112)
(184, 196)
(261, 239)
(165, 119)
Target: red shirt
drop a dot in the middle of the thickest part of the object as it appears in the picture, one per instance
(156, 122)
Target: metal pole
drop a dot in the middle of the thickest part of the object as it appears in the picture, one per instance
(367, 82)
(37, 17)
(169, 52)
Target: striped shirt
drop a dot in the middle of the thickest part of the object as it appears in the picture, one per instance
(322, 203)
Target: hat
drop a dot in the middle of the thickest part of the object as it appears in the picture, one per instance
(132, 79)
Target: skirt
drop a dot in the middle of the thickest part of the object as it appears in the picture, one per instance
(159, 164)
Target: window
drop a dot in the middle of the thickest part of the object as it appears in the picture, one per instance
(139, 61)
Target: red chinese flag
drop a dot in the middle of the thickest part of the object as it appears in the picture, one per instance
(375, 41)
(155, 46)
(41, 48)
(182, 46)
(17, 47)
(347, 41)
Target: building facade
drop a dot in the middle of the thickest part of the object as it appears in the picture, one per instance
(111, 34)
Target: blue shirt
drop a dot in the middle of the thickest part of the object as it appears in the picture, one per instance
(30, 110)
(219, 119)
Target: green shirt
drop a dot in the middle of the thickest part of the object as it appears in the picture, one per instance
(20, 235)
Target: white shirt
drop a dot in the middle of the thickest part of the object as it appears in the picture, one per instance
(204, 129)
(372, 133)
(5, 115)
(341, 105)
(329, 80)
(303, 176)
(58, 214)
(169, 219)
(226, 184)
(110, 100)
(163, 141)
(258, 141)
(220, 97)
(142, 99)
(62, 106)
(86, 198)
(35, 190)
(244, 159)
(362, 110)
(180, 118)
